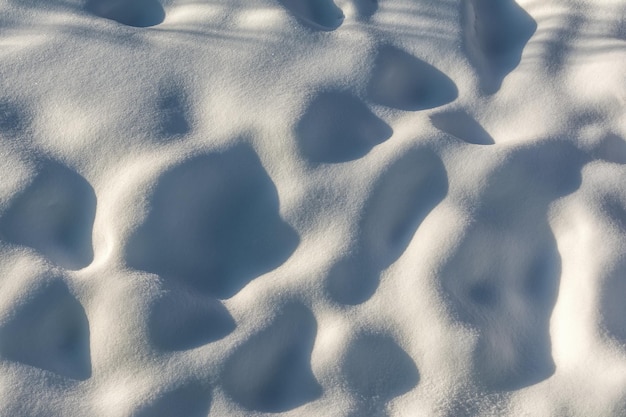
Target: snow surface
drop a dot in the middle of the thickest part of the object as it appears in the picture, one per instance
(343, 208)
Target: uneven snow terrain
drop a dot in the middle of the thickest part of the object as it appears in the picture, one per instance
(349, 208)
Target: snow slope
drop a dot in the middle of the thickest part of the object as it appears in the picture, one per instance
(312, 207)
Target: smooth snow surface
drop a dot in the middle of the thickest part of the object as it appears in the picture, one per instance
(343, 208)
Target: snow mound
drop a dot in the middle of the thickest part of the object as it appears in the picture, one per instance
(312, 207)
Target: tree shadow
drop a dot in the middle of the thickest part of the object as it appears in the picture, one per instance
(559, 47)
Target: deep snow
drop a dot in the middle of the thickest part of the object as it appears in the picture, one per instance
(312, 207)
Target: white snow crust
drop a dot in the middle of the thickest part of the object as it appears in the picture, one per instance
(343, 208)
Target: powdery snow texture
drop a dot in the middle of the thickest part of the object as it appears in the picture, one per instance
(350, 208)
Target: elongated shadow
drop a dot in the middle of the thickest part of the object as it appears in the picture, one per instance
(495, 34)
(462, 126)
(403, 196)
(13, 118)
(503, 278)
(213, 224)
(402, 81)
(613, 308)
(316, 14)
(137, 13)
(54, 215)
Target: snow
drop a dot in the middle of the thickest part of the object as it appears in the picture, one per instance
(312, 207)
